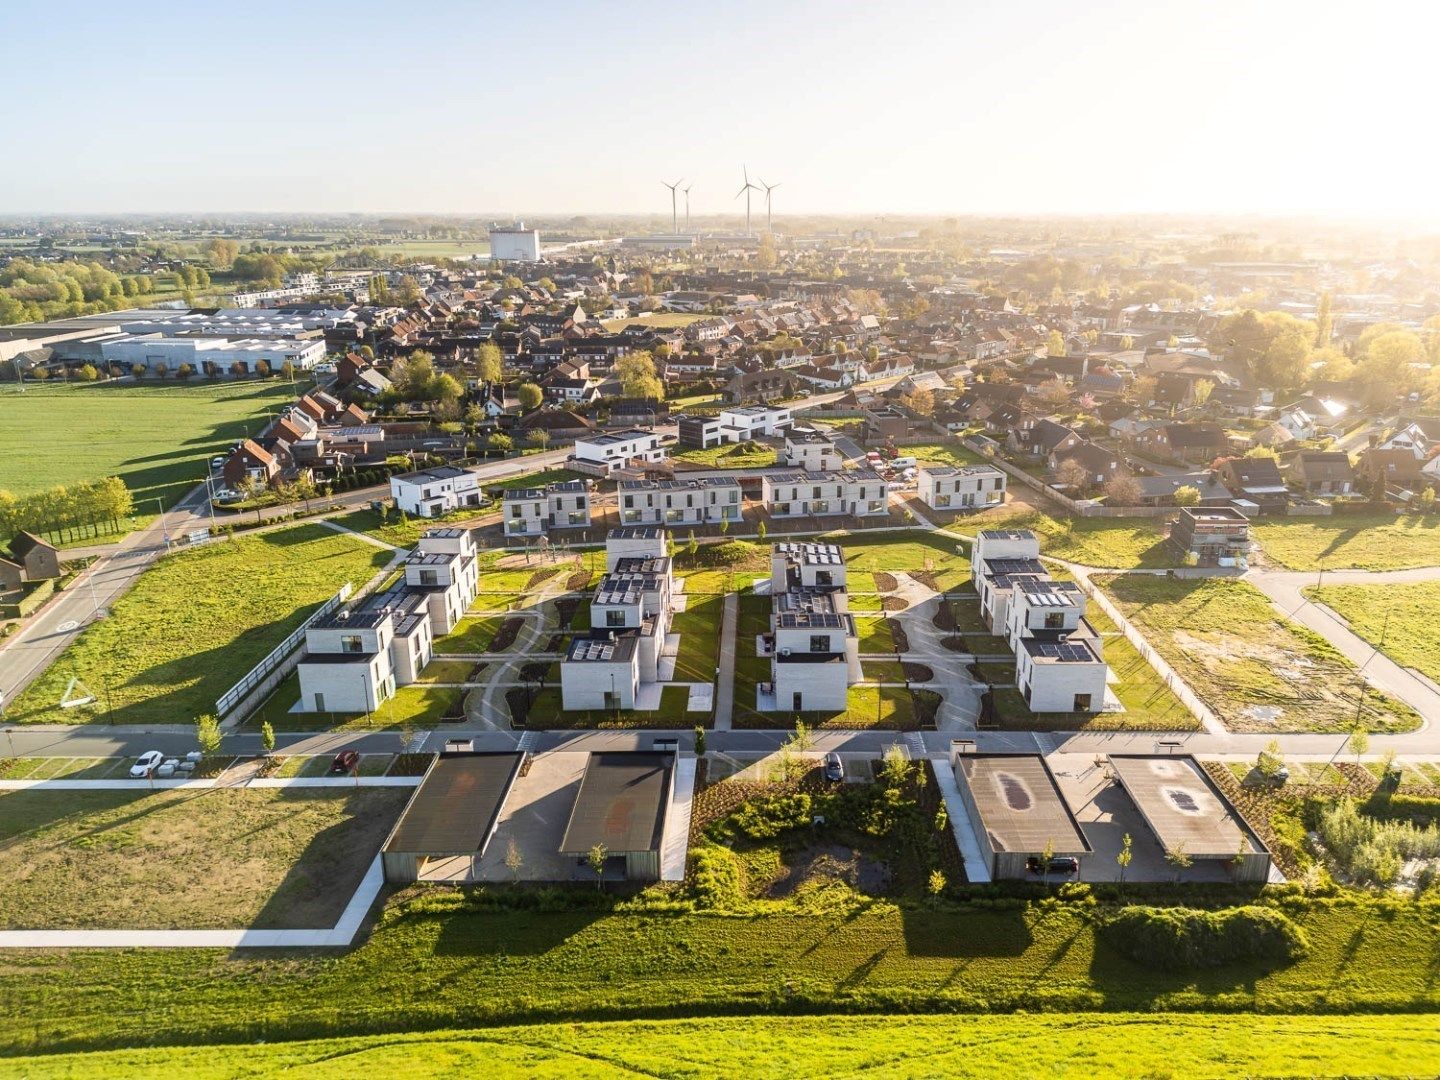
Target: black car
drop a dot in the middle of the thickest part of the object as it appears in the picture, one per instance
(1061, 865)
(834, 768)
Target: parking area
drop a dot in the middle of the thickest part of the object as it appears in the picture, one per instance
(534, 820)
(1107, 815)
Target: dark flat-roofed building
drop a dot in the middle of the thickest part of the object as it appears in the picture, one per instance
(622, 803)
(453, 813)
(1017, 811)
(1184, 810)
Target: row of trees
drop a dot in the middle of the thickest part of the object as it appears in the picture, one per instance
(70, 512)
(32, 292)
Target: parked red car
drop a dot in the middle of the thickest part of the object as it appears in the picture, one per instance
(345, 762)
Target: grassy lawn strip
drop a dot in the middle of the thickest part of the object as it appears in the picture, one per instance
(546, 714)
(470, 635)
(446, 671)
(224, 857)
(399, 528)
(158, 438)
(933, 558)
(781, 1047)
(699, 629)
(1119, 543)
(1256, 670)
(416, 706)
(464, 958)
(194, 623)
(752, 455)
(1412, 636)
(875, 634)
(1352, 541)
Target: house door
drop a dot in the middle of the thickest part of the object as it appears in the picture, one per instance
(795, 703)
(1082, 702)
(319, 702)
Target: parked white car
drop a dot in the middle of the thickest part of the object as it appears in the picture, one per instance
(146, 763)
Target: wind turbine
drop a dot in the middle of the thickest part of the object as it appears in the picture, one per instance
(674, 216)
(687, 207)
(769, 223)
(749, 187)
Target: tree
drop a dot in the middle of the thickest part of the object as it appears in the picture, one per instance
(936, 885)
(1045, 857)
(692, 546)
(262, 368)
(1331, 365)
(1200, 392)
(513, 859)
(1122, 489)
(699, 742)
(87, 373)
(1359, 743)
(1122, 859)
(1055, 344)
(724, 526)
(1071, 474)
(1391, 363)
(530, 397)
(267, 738)
(1264, 452)
(1324, 321)
(252, 490)
(1142, 390)
(1270, 761)
(1178, 859)
(637, 376)
(489, 363)
(596, 858)
(1186, 495)
(304, 488)
(287, 369)
(538, 438)
(496, 441)
(207, 734)
(761, 531)
(1052, 394)
(920, 401)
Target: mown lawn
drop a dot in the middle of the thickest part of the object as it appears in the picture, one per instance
(417, 706)
(1112, 543)
(664, 319)
(778, 1048)
(753, 455)
(940, 453)
(397, 527)
(195, 623)
(1352, 541)
(928, 553)
(439, 962)
(157, 438)
(222, 857)
(1403, 616)
(471, 635)
(546, 713)
(1256, 670)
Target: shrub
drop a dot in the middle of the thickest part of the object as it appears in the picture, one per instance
(1182, 939)
(718, 876)
(766, 818)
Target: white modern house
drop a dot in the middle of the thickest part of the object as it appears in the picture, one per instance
(810, 450)
(435, 492)
(534, 511)
(966, 487)
(356, 657)
(616, 450)
(635, 542)
(1059, 666)
(709, 500)
(856, 492)
(813, 643)
(629, 621)
(753, 421)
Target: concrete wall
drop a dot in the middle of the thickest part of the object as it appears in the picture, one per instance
(583, 685)
(823, 687)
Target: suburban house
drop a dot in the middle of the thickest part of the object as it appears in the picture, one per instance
(1059, 665)
(1211, 534)
(534, 511)
(356, 656)
(629, 619)
(961, 487)
(1101, 464)
(699, 432)
(752, 422)
(811, 451)
(813, 645)
(435, 492)
(611, 452)
(1323, 472)
(709, 500)
(35, 559)
(1256, 481)
(250, 461)
(857, 492)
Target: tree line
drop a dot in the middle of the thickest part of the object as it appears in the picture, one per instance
(70, 512)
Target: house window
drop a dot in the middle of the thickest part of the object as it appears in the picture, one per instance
(819, 643)
(351, 643)
(1055, 620)
(614, 617)
(429, 577)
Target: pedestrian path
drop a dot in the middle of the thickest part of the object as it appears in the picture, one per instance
(676, 839)
(977, 870)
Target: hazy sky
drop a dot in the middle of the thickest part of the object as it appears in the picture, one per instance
(955, 107)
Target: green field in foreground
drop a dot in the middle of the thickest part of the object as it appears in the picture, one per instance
(158, 439)
(1402, 615)
(194, 623)
(1351, 541)
(1127, 1045)
(441, 960)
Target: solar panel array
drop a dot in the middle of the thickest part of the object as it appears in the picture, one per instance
(1064, 651)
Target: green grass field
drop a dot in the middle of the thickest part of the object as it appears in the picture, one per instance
(730, 456)
(1113, 543)
(194, 624)
(938, 453)
(777, 1048)
(158, 439)
(224, 857)
(1256, 670)
(1352, 541)
(440, 960)
(666, 320)
(1403, 616)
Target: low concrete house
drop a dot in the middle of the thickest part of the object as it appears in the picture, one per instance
(961, 487)
(535, 511)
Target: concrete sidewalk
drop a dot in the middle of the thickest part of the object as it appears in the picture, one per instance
(977, 870)
(675, 842)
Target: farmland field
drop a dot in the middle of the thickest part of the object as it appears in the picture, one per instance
(194, 623)
(158, 439)
(445, 958)
(224, 857)
(1256, 670)
(772, 1048)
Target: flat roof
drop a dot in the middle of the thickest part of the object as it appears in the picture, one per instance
(1182, 806)
(602, 647)
(456, 806)
(621, 803)
(1021, 808)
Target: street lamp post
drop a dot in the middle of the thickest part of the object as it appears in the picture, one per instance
(164, 529)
